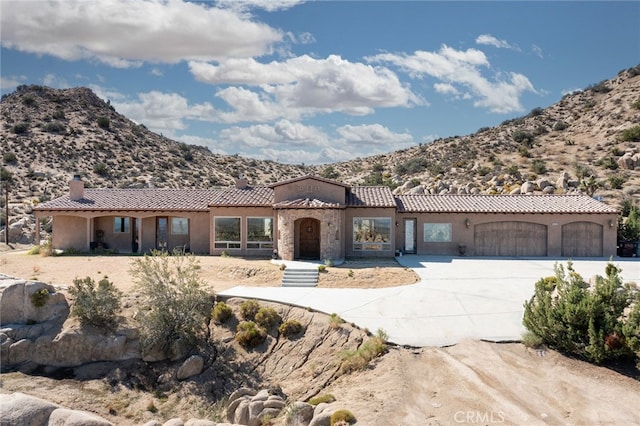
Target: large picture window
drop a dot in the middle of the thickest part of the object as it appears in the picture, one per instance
(437, 232)
(371, 233)
(179, 226)
(121, 225)
(226, 232)
(260, 233)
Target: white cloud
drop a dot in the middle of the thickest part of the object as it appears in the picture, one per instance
(303, 86)
(537, 50)
(11, 82)
(363, 136)
(268, 5)
(55, 81)
(124, 33)
(501, 94)
(489, 40)
(446, 89)
(156, 71)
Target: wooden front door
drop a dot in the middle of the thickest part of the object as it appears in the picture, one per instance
(309, 239)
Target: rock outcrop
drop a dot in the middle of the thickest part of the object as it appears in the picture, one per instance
(21, 409)
(17, 304)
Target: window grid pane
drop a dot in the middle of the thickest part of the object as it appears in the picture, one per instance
(227, 232)
(179, 226)
(372, 234)
(260, 233)
(121, 225)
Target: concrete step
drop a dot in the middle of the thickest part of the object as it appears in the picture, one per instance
(300, 278)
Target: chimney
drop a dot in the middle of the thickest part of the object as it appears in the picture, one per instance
(241, 182)
(76, 188)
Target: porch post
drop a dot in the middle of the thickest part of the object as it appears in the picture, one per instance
(36, 237)
(140, 227)
(88, 242)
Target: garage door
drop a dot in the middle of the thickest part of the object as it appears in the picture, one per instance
(510, 239)
(581, 239)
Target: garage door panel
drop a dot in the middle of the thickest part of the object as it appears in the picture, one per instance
(522, 239)
(582, 239)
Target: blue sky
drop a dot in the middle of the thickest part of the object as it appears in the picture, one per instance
(317, 82)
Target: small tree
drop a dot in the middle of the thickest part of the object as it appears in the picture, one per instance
(570, 316)
(175, 304)
(96, 305)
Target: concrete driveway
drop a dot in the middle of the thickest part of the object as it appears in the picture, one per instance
(457, 298)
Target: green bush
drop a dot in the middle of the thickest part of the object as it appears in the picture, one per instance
(322, 268)
(335, 321)
(101, 169)
(326, 398)
(54, 127)
(616, 181)
(174, 305)
(39, 298)
(290, 328)
(9, 158)
(249, 309)
(345, 416)
(361, 357)
(587, 322)
(96, 305)
(250, 335)
(560, 126)
(103, 123)
(221, 312)
(524, 138)
(20, 128)
(632, 134)
(538, 166)
(267, 318)
(636, 104)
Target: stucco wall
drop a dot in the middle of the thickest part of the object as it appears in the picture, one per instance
(70, 232)
(464, 235)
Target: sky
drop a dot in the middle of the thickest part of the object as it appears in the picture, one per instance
(312, 82)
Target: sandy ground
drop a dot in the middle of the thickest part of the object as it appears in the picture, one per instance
(219, 273)
(469, 383)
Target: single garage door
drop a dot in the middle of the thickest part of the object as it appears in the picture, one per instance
(581, 239)
(510, 239)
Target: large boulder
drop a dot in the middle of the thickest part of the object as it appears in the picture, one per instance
(21, 409)
(67, 417)
(192, 366)
(17, 302)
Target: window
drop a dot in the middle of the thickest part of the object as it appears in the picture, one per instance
(372, 233)
(260, 233)
(179, 226)
(121, 225)
(226, 232)
(437, 232)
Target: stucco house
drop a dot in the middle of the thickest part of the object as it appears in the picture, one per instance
(310, 217)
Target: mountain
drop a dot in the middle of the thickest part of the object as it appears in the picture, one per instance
(589, 137)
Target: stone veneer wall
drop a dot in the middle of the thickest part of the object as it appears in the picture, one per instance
(331, 231)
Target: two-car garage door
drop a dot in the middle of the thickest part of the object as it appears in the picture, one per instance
(510, 239)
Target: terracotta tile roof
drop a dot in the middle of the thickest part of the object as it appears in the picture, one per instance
(244, 197)
(136, 199)
(371, 196)
(306, 203)
(502, 204)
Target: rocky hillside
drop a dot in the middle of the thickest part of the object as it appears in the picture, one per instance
(589, 140)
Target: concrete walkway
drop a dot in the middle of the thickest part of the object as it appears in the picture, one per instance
(457, 298)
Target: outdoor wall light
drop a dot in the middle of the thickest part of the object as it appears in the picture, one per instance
(397, 224)
(610, 223)
(467, 222)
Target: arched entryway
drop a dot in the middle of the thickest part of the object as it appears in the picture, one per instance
(308, 238)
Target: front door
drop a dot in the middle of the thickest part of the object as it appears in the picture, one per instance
(410, 236)
(162, 233)
(309, 239)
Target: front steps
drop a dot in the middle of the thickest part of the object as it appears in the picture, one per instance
(296, 277)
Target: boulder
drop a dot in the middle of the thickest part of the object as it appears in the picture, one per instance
(416, 190)
(176, 421)
(67, 417)
(21, 409)
(625, 162)
(16, 306)
(200, 422)
(548, 190)
(152, 423)
(527, 188)
(303, 411)
(322, 419)
(563, 181)
(192, 366)
(543, 183)
(241, 414)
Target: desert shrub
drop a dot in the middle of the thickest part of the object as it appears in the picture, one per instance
(524, 152)
(330, 173)
(101, 169)
(632, 134)
(175, 305)
(326, 398)
(54, 127)
(9, 157)
(412, 166)
(532, 340)
(582, 171)
(538, 166)
(342, 416)
(626, 205)
(361, 357)
(328, 263)
(636, 104)
(608, 163)
(582, 321)
(484, 170)
(39, 298)
(103, 123)
(221, 312)
(290, 328)
(560, 126)
(95, 304)
(20, 128)
(322, 268)
(283, 267)
(58, 114)
(536, 112)
(600, 87)
(250, 335)
(616, 181)
(249, 309)
(267, 318)
(29, 100)
(524, 138)
(335, 321)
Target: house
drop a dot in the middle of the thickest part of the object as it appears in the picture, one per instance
(310, 217)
